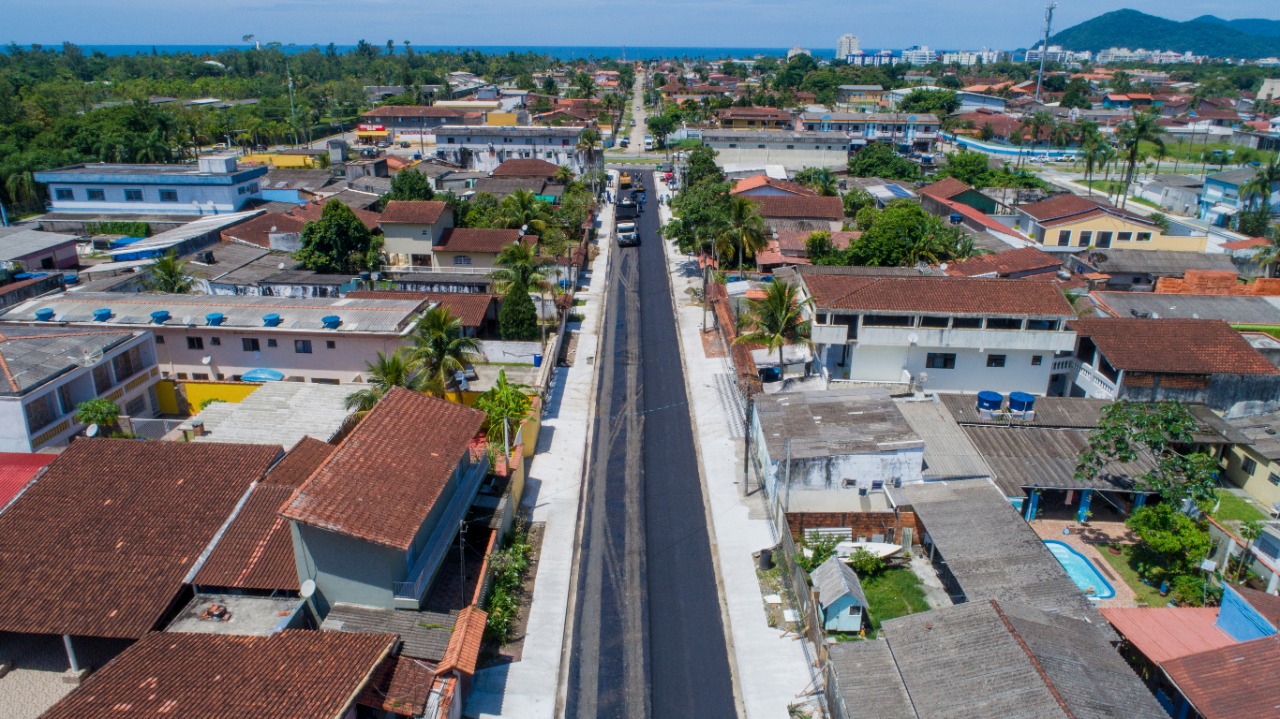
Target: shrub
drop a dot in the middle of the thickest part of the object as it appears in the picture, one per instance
(865, 563)
(518, 319)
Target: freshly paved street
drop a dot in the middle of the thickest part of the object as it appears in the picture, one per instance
(648, 635)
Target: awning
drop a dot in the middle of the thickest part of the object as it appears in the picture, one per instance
(372, 133)
(262, 375)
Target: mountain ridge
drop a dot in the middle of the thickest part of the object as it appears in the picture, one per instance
(1133, 29)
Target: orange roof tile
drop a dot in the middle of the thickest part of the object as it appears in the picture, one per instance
(945, 189)
(1173, 346)
(401, 685)
(298, 464)
(792, 206)
(1003, 264)
(256, 550)
(464, 646)
(1164, 633)
(757, 181)
(413, 212)
(1241, 680)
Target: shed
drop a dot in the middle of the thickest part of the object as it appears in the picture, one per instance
(840, 596)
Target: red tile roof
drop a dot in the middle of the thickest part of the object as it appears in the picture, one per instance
(526, 167)
(753, 113)
(1164, 633)
(796, 241)
(296, 674)
(413, 111)
(470, 307)
(786, 206)
(757, 181)
(982, 219)
(256, 551)
(1169, 345)
(1003, 264)
(1242, 680)
(401, 685)
(258, 230)
(385, 477)
(17, 469)
(413, 212)
(101, 543)
(1245, 243)
(945, 189)
(948, 295)
(475, 239)
(1064, 209)
(311, 212)
(299, 463)
(464, 646)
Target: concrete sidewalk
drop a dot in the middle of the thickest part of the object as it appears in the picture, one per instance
(528, 688)
(774, 668)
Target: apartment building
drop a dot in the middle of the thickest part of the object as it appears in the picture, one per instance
(215, 185)
(917, 132)
(482, 149)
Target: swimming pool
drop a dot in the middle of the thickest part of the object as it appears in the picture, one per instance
(1081, 570)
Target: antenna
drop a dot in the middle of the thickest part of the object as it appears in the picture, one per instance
(88, 357)
(1044, 49)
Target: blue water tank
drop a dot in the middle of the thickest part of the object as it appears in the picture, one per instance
(102, 315)
(990, 400)
(1021, 402)
(331, 322)
(159, 317)
(71, 278)
(44, 314)
(214, 319)
(271, 320)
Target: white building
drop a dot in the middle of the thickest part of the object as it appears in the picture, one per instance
(919, 55)
(969, 58)
(202, 337)
(797, 50)
(483, 148)
(216, 185)
(944, 334)
(847, 45)
(1057, 53)
(49, 370)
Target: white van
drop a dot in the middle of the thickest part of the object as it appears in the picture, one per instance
(627, 234)
(648, 142)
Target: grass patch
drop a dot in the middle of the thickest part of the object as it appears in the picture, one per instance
(580, 302)
(1123, 564)
(1234, 508)
(893, 593)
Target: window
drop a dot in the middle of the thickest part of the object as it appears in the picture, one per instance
(426, 232)
(96, 195)
(1086, 237)
(1124, 237)
(159, 339)
(1249, 466)
(66, 403)
(855, 610)
(1274, 479)
(102, 380)
(302, 346)
(1144, 237)
(940, 360)
(330, 344)
(132, 195)
(1037, 360)
(195, 343)
(215, 341)
(64, 193)
(250, 344)
(323, 380)
(40, 412)
(461, 260)
(1064, 238)
(888, 321)
(935, 322)
(271, 343)
(1003, 323)
(995, 360)
(200, 375)
(1043, 325)
(168, 195)
(1104, 239)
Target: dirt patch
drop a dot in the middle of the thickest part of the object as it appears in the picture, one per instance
(772, 583)
(490, 653)
(570, 350)
(713, 345)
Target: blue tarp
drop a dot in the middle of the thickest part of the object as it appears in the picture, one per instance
(262, 375)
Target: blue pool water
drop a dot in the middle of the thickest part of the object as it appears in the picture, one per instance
(1081, 570)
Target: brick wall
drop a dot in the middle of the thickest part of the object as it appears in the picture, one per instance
(863, 524)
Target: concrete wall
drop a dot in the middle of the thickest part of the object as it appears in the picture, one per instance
(482, 260)
(830, 484)
(346, 569)
(790, 159)
(344, 362)
(1230, 394)
(860, 524)
(209, 199)
(407, 239)
(1258, 482)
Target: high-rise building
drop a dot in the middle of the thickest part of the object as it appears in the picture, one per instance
(919, 55)
(847, 45)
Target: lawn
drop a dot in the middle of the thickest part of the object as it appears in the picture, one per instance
(1235, 508)
(1123, 565)
(893, 593)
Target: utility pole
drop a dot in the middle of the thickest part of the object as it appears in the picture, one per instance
(293, 113)
(1044, 49)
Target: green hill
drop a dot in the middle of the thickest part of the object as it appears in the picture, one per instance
(1251, 26)
(1133, 29)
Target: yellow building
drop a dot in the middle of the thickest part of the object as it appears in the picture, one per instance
(1069, 223)
(1255, 466)
(860, 97)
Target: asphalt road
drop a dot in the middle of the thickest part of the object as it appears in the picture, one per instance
(648, 640)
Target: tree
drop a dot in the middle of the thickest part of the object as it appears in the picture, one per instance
(1129, 431)
(774, 320)
(865, 563)
(1257, 191)
(986, 133)
(855, 200)
(1250, 530)
(818, 179)
(410, 185)
(814, 553)
(937, 102)
(102, 412)
(967, 167)
(902, 235)
(518, 318)
(523, 209)
(880, 160)
(1177, 541)
(505, 406)
(519, 265)
(338, 242)
(386, 371)
(169, 274)
(744, 229)
(440, 350)
(1143, 127)
(818, 246)
(1077, 95)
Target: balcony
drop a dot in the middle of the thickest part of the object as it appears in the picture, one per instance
(1094, 383)
(1032, 340)
(408, 594)
(433, 269)
(1066, 364)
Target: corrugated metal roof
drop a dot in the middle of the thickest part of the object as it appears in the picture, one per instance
(833, 423)
(280, 413)
(1164, 633)
(425, 634)
(948, 453)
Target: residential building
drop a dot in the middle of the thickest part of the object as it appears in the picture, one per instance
(765, 186)
(484, 148)
(790, 246)
(322, 340)
(1270, 90)
(1017, 264)
(800, 212)
(1069, 223)
(877, 59)
(917, 132)
(864, 98)
(1173, 193)
(1056, 54)
(462, 248)
(847, 45)
(935, 198)
(947, 334)
(26, 250)
(1254, 464)
(919, 55)
(797, 50)
(531, 169)
(793, 149)
(840, 597)
(755, 118)
(50, 370)
(1141, 270)
(1188, 360)
(372, 525)
(277, 413)
(971, 100)
(969, 58)
(411, 229)
(215, 185)
(1224, 195)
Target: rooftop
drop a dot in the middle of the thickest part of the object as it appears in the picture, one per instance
(470, 307)
(296, 674)
(425, 635)
(17, 469)
(1241, 680)
(776, 136)
(948, 452)
(836, 422)
(1156, 262)
(566, 133)
(1023, 457)
(279, 413)
(299, 463)
(103, 541)
(868, 681)
(945, 189)
(32, 356)
(936, 295)
(795, 206)
(1002, 264)
(526, 167)
(413, 212)
(1237, 309)
(364, 490)
(834, 579)
(484, 241)
(1067, 208)
(256, 550)
(1164, 633)
(249, 615)
(16, 245)
(758, 181)
(413, 111)
(1173, 346)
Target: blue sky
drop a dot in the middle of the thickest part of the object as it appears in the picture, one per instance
(1002, 24)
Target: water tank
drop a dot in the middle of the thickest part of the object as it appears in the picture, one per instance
(102, 315)
(271, 320)
(159, 317)
(44, 314)
(1021, 402)
(71, 278)
(990, 401)
(331, 322)
(215, 319)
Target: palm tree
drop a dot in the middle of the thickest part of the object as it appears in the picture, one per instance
(587, 143)
(1096, 152)
(586, 86)
(818, 179)
(744, 229)
(519, 265)
(774, 320)
(523, 210)
(1039, 121)
(169, 274)
(1144, 127)
(564, 175)
(440, 350)
(388, 370)
(1258, 190)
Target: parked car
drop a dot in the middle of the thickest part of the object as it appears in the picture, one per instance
(384, 144)
(404, 144)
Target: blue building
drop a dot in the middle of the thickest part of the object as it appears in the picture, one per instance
(1223, 195)
(840, 596)
(215, 186)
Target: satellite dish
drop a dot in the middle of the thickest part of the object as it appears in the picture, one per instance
(88, 357)
(924, 377)
(943, 267)
(187, 320)
(308, 588)
(281, 265)
(91, 431)
(913, 338)
(206, 360)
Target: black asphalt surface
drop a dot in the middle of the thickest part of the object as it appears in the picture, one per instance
(648, 640)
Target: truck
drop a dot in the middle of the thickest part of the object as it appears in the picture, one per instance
(624, 180)
(627, 234)
(627, 209)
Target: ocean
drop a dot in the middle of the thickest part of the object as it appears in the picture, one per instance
(561, 52)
